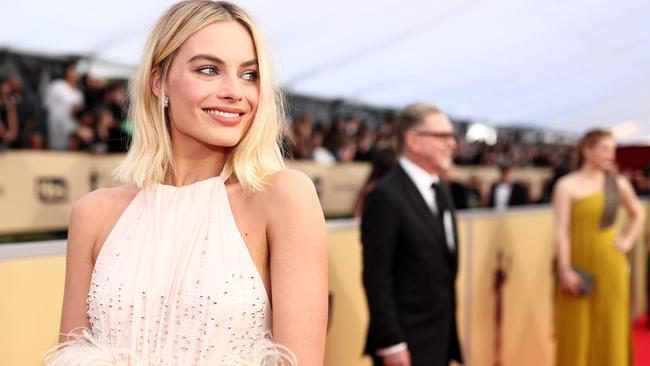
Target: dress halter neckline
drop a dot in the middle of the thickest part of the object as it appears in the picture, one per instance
(222, 177)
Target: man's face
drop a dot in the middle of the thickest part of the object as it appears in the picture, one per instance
(506, 174)
(433, 142)
(71, 75)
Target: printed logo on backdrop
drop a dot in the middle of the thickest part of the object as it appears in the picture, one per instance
(50, 190)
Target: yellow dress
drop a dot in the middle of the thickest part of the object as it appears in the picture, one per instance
(594, 330)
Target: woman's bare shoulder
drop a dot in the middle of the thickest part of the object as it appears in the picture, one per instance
(289, 175)
(289, 184)
(97, 210)
(625, 188)
(98, 201)
(283, 190)
(622, 181)
(569, 182)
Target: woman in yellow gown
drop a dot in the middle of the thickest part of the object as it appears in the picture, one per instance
(592, 325)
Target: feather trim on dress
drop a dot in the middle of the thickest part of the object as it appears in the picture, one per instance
(84, 350)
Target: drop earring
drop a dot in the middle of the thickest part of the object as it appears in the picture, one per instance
(166, 101)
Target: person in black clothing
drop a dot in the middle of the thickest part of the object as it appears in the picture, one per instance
(558, 172)
(84, 137)
(474, 192)
(109, 134)
(410, 251)
(459, 192)
(8, 116)
(507, 192)
(93, 92)
(115, 100)
(382, 162)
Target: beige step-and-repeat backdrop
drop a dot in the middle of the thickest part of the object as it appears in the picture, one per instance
(505, 267)
(40, 187)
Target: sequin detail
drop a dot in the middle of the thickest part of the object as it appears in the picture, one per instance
(174, 282)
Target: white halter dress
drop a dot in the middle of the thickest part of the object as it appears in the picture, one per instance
(174, 284)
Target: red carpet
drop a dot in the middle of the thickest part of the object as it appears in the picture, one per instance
(641, 341)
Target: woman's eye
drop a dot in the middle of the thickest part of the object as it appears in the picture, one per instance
(250, 75)
(208, 70)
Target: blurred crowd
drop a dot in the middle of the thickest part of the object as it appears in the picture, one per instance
(80, 113)
(350, 138)
(73, 113)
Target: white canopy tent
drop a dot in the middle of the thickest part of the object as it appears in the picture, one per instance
(564, 65)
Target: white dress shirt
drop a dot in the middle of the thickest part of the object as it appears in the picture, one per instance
(60, 100)
(422, 181)
(502, 194)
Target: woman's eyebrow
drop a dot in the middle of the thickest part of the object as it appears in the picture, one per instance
(252, 62)
(217, 60)
(204, 56)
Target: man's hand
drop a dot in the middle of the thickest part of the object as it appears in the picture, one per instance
(400, 358)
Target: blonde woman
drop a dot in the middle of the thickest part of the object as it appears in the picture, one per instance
(592, 300)
(211, 245)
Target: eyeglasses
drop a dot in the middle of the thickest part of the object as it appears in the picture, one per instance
(439, 135)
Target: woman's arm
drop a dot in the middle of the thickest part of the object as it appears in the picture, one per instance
(569, 280)
(298, 265)
(635, 210)
(79, 264)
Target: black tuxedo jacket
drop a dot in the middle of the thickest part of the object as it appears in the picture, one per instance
(409, 273)
(459, 195)
(518, 195)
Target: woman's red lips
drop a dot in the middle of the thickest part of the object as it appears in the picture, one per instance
(224, 110)
(225, 116)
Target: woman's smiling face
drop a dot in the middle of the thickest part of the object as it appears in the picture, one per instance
(213, 86)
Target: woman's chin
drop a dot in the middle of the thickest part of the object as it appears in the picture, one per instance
(608, 167)
(219, 141)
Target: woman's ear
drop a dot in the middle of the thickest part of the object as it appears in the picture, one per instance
(155, 81)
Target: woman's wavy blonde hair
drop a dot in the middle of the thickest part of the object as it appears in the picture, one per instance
(150, 158)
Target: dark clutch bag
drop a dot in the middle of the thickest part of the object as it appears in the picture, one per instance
(588, 280)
